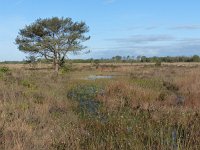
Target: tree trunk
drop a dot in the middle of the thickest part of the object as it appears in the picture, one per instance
(56, 65)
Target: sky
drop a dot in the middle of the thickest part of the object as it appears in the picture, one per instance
(117, 27)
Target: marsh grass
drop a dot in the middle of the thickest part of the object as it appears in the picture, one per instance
(139, 110)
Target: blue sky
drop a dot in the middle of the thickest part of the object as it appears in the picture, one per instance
(117, 27)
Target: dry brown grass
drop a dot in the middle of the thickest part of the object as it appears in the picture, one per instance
(122, 93)
(35, 112)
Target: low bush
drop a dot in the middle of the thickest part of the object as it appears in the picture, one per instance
(4, 69)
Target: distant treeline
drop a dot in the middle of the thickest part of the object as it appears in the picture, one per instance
(132, 59)
(118, 59)
(12, 62)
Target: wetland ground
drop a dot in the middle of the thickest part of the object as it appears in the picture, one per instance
(114, 106)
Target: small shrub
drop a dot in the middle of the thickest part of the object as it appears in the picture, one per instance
(66, 68)
(4, 69)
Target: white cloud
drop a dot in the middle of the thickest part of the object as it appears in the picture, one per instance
(141, 39)
(186, 27)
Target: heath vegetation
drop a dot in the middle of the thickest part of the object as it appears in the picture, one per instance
(140, 107)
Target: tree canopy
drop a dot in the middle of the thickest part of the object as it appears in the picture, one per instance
(53, 38)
